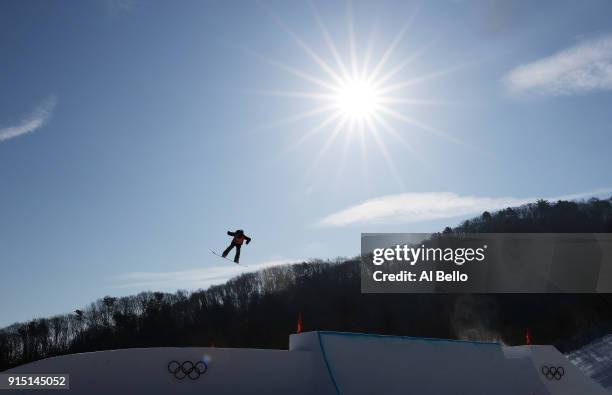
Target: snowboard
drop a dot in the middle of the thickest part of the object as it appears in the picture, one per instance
(227, 259)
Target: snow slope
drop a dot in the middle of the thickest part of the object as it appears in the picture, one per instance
(327, 363)
(369, 364)
(595, 359)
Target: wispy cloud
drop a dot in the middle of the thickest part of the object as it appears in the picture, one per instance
(29, 124)
(579, 69)
(417, 207)
(189, 279)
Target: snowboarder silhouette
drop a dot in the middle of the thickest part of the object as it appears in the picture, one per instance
(239, 238)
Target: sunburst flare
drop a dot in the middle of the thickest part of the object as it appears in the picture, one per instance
(358, 97)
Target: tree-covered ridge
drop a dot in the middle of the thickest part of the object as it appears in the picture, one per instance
(260, 309)
(592, 216)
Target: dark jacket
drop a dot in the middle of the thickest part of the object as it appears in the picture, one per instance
(239, 238)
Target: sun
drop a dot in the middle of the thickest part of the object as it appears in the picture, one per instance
(358, 99)
(359, 95)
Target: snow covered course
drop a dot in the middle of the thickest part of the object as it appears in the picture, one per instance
(325, 363)
(595, 359)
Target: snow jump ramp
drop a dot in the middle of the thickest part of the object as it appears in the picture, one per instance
(325, 363)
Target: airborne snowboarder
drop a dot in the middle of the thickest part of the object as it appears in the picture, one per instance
(239, 238)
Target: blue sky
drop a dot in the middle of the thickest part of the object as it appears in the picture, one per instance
(134, 134)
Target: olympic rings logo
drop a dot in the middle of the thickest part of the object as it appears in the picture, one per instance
(553, 372)
(187, 369)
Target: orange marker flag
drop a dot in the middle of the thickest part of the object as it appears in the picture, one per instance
(299, 323)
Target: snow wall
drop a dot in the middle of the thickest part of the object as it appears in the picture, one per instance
(327, 363)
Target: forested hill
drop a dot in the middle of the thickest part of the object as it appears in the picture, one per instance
(592, 216)
(261, 309)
